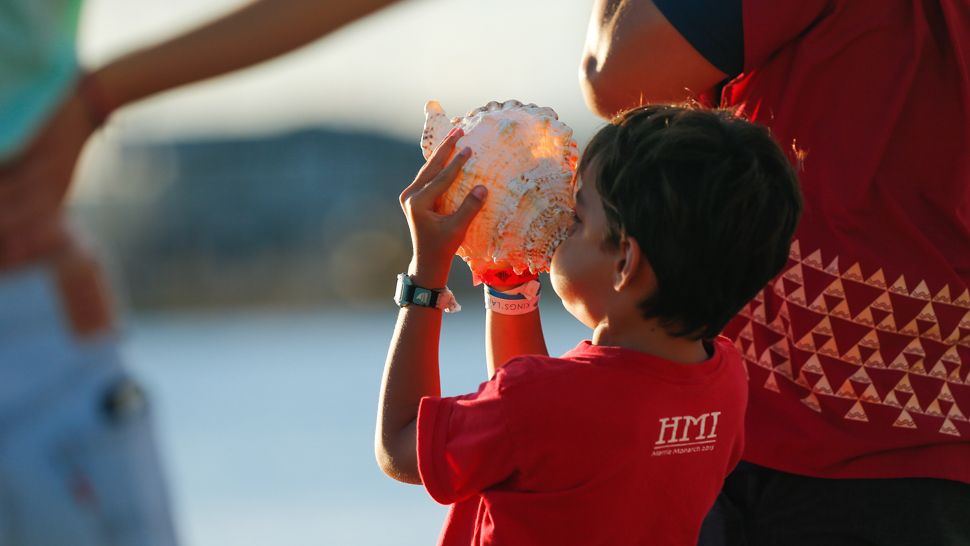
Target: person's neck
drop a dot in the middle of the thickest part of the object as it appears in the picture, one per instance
(647, 336)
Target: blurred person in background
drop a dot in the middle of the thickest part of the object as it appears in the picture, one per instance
(859, 353)
(78, 463)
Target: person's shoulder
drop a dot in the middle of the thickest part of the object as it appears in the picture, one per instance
(525, 368)
(733, 371)
(726, 348)
(530, 369)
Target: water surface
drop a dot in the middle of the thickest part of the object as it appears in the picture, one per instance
(266, 421)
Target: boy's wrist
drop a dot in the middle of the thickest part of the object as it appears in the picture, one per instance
(514, 301)
(505, 287)
(433, 276)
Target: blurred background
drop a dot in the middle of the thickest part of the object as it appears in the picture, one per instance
(252, 227)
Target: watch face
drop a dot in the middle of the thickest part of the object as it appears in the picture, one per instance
(422, 297)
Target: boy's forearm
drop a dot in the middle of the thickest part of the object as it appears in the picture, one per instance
(254, 33)
(411, 370)
(410, 373)
(507, 336)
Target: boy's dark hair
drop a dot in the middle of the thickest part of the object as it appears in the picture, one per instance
(711, 199)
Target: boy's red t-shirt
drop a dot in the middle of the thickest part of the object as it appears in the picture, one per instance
(604, 445)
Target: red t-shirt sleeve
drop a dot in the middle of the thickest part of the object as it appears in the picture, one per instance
(463, 442)
(770, 25)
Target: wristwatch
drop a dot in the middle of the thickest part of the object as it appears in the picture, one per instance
(408, 293)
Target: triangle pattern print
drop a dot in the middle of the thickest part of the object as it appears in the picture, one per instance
(864, 335)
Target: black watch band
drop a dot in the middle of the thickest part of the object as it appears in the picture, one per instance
(408, 293)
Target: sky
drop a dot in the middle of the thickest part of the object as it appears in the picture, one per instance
(375, 74)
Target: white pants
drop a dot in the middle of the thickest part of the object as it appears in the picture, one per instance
(78, 464)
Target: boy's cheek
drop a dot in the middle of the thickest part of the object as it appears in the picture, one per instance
(558, 269)
(558, 282)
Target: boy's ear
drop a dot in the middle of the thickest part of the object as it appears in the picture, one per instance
(627, 258)
(631, 268)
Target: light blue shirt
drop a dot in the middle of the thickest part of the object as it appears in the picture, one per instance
(38, 65)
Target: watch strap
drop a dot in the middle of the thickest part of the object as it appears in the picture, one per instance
(409, 293)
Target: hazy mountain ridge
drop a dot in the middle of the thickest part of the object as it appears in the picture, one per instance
(306, 217)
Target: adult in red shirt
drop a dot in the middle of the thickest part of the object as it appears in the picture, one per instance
(859, 352)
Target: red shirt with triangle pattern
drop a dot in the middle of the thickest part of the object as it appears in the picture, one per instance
(859, 353)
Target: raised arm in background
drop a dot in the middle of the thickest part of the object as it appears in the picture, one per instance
(33, 184)
(256, 32)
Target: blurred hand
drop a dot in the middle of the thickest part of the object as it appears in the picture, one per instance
(435, 237)
(34, 184)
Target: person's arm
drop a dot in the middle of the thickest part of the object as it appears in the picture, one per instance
(411, 369)
(33, 185)
(256, 32)
(410, 373)
(634, 55)
(508, 336)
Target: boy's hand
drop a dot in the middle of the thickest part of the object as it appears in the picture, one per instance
(435, 237)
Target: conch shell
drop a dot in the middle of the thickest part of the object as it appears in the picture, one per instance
(526, 158)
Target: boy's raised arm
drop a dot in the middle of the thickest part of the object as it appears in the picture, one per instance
(411, 369)
(508, 336)
(410, 373)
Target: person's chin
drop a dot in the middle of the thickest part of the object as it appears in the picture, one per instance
(575, 308)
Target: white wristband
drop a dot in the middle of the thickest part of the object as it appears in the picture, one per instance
(517, 301)
(447, 301)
